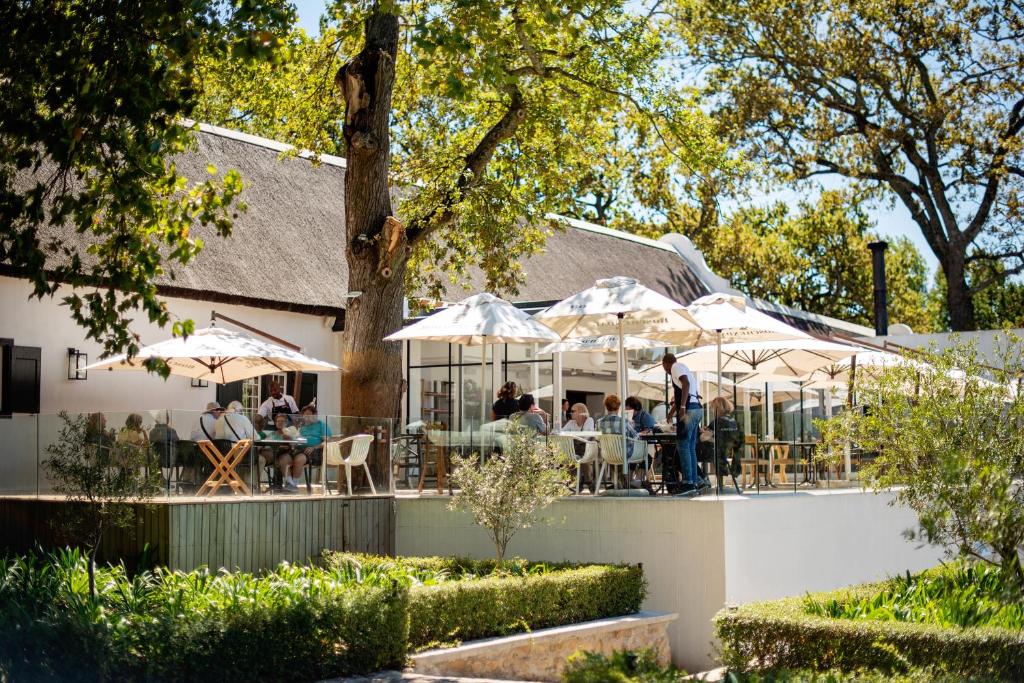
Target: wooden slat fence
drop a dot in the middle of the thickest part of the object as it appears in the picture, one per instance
(247, 535)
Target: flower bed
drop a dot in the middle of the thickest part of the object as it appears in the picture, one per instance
(898, 625)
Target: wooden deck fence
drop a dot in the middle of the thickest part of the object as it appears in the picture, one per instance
(247, 535)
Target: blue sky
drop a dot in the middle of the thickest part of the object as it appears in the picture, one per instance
(888, 221)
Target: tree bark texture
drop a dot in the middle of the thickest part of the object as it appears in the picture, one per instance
(376, 248)
(959, 301)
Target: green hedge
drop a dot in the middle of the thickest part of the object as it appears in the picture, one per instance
(522, 597)
(781, 634)
(495, 606)
(455, 568)
(298, 624)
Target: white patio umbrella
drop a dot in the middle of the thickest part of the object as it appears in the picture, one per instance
(727, 318)
(478, 320)
(787, 358)
(219, 355)
(607, 342)
(621, 306)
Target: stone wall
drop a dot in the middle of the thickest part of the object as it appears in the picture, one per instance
(541, 655)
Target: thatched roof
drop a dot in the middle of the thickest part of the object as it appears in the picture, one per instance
(288, 246)
(574, 258)
(287, 251)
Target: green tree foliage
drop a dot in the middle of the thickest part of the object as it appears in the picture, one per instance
(919, 100)
(96, 97)
(505, 491)
(1000, 304)
(480, 112)
(952, 444)
(817, 260)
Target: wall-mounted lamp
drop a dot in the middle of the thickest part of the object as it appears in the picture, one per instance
(198, 383)
(76, 361)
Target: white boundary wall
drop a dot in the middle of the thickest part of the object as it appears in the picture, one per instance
(698, 555)
(48, 325)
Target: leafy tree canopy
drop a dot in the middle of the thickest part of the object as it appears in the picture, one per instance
(96, 97)
(817, 259)
(497, 108)
(919, 100)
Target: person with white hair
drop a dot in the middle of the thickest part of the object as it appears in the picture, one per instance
(206, 425)
(233, 425)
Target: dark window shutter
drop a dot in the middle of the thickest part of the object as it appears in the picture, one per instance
(24, 382)
(308, 387)
(226, 393)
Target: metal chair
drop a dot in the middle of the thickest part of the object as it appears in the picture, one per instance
(358, 453)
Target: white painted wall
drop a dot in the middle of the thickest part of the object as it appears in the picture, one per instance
(698, 555)
(48, 325)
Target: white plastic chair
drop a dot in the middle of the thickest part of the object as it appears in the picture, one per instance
(356, 457)
(612, 454)
(567, 444)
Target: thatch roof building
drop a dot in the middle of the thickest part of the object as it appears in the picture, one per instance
(286, 251)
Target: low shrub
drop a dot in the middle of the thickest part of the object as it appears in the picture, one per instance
(497, 605)
(428, 569)
(620, 667)
(291, 624)
(458, 599)
(643, 667)
(782, 635)
(958, 594)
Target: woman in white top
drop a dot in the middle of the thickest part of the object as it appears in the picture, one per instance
(581, 420)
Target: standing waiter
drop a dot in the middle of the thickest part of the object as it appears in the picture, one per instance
(686, 405)
(278, 402)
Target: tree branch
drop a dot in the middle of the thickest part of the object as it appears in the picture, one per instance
(473, 169)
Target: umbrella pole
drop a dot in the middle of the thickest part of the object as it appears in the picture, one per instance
(718, 358)
(483, 382)
(622, 388)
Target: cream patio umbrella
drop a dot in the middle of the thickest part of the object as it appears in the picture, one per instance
(478, 320)
(219, 355)
(623, 307)
(607, 342)
(727, 318)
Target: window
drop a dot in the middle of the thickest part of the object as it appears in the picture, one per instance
(19, 378)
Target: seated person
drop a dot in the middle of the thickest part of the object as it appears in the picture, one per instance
(612, 424)
(729, 435)
(165, 440)
(526, 417)
(643, 421)
(205, 429)
(232, 425)
(506, 404)
(580, 421)
(289, 463)
(259, 424)
(315, 431)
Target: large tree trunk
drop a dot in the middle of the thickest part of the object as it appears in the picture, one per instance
(376, 248)
(958, 295)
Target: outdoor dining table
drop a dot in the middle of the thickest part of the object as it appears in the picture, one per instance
(224, 467)
(790, 446)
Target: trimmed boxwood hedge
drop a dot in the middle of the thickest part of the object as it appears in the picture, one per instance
(781, 634)
(523, 597)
